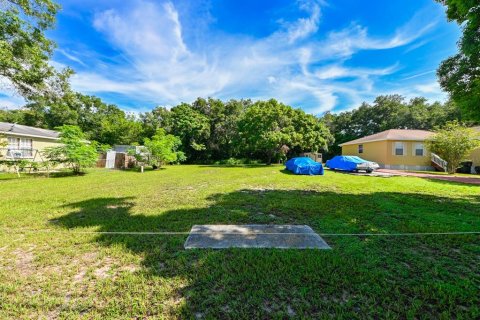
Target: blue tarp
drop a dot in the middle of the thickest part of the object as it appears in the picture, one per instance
(304, 165)
(347, 163)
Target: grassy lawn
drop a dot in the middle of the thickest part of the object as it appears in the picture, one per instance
(67, 274)
(463, 175)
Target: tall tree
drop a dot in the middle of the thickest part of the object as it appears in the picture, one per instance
(223, 118)
(105, 123)
(25, 51)
(159, 117)
(460, 74)
(193, 129)
(269, 129)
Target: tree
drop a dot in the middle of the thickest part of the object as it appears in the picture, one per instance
(269, 129)
(105, 123)
(453, 143)
(25, 51)
(163, 149)
(74, 151)
(192, 128)
(223, 118)
(460, 74)
(159, 117)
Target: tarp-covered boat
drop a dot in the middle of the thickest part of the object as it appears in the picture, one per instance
(304, 165)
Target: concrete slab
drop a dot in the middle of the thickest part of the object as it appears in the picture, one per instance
(254, 236)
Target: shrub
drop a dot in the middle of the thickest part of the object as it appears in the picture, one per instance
(75, 151)
(163, 149)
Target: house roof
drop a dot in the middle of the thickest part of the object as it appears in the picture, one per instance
(27, 131)
(393, 134)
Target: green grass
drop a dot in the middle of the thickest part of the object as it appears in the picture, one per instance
(73, 275)
(463, 175)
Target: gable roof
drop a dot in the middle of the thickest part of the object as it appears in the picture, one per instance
(393, 134)
(27, 131)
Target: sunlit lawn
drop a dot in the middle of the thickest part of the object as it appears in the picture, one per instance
(73, 275)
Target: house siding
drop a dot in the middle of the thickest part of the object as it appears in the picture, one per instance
(37, 144)
(372, 151)
(475, 157)
(382, 152)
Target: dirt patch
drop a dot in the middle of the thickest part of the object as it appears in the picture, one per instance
(102, 272)
(24, 261)
(130, 268)
(100, 268)
(79, 276)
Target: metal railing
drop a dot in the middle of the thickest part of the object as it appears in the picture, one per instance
(439, 161)
(17, 153)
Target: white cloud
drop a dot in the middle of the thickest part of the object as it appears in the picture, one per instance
(429, 88)
(304, 27)
(421, 74)
(9, 102)
(71, 57)
(7, 99)
(293, 64)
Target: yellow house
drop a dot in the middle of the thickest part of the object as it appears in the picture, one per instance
(393, 149)
(24, 142)
(399, 149)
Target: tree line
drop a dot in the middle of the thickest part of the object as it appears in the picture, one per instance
(210, 129)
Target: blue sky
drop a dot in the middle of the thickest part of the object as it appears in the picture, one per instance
(315, 55)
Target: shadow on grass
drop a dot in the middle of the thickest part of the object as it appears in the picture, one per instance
(261, 165)
(145, 169)
(461, 181)
(66, 174)
(360, 277)
(288, 172)
(33, 175)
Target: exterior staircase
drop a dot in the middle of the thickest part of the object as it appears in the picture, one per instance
(438, 163)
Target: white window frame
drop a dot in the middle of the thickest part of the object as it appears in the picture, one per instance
(418, 146)
(20, 147)
(12, 143)
(395, 148)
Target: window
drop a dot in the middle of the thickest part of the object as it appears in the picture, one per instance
(19, 147)
(419, 150)
(360, 148)
(399, 149)
(12, 143)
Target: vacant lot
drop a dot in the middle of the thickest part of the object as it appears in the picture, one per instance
(68, 274)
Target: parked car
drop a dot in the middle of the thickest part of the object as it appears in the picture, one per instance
(304, 165)
(351, 164)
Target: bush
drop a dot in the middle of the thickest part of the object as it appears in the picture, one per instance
(22, 164)
(163, 149)
(236, 162)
